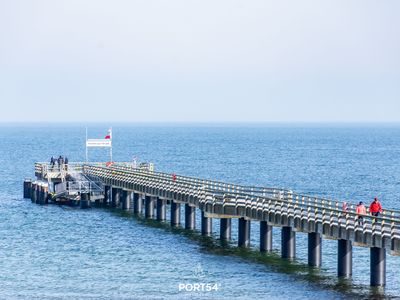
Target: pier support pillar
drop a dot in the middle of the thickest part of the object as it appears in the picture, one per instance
(314, 249)
(42, 195)
(46, 195)
(38, 194)
(126, 200)
(149, 207)
(206, 224)
(27, 188)
(244, 233)
(265, 237)
(115, 197)
(190, 217)
(175, 213)
(33, 193)
(288, 243)
(85, 200)
(107, 195)
(225, 229)
(161, 210)
(378, 266)
(37, 197)
(345, 258)
(137, 203)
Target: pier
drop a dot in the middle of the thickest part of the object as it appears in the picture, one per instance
(143, 190)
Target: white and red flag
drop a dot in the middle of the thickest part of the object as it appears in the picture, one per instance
(106, 142)
(109, 134)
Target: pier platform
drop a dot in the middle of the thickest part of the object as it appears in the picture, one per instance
(122, 185)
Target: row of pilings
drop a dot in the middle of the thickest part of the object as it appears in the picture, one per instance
(155, 208)
(37, 191)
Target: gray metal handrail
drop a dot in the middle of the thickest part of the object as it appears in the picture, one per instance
(222, 187)
(309, 208)
(194, 185)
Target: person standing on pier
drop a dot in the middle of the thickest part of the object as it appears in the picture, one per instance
(345, 207)
(52, 162)
(60, 162)
(361, 211)
(375, 208)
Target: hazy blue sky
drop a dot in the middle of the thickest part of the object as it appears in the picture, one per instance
(219, 60)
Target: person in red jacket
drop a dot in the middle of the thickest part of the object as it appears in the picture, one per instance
(375, 208)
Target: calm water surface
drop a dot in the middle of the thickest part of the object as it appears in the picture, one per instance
(51, 252)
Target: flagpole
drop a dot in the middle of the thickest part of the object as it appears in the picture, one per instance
(111, 144)
(86, 146)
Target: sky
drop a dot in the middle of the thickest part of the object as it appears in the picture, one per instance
(199, 61)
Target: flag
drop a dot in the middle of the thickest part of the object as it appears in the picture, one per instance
(109, 134)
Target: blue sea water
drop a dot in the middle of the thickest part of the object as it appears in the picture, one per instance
(53, 252)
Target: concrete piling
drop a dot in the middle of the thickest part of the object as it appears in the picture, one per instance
(206, 225)
(190, 217)
(38, 194)
(85, 201)
(107, 196)
(345, 258)
(33, 192)
(27, 188)
(244, 233)
(126, 200)
(137, 203)
(288, 243)
(149, 207)
(46, 194)
(115, 197)
(265, 237)
(225, 229)
(314, 249)
(175, 213)
(39, 199)
(161, 210)
(378, 266)
(42, 195)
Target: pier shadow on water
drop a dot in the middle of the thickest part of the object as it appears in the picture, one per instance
(271, 260)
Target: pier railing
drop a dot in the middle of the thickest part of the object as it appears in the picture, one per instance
(297, 208)
(48, 171)
(221, 188)
(78, 187)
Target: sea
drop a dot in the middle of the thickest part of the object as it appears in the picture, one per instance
(62, 252)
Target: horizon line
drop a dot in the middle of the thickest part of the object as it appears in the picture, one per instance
(198, 122)
(205, 124)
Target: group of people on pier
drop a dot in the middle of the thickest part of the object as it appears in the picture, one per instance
(374, 209)
(61, 162)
